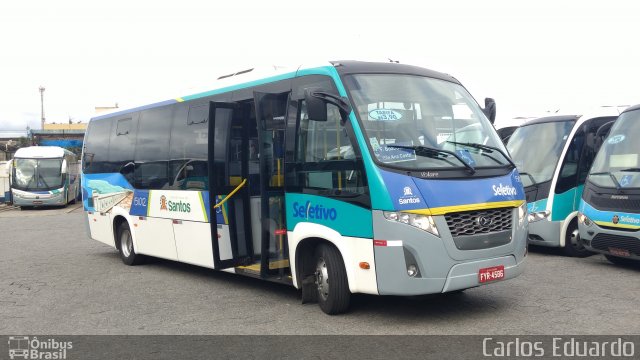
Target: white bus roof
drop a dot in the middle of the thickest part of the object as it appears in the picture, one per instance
(40, 152)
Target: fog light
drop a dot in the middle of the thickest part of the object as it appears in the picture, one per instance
(412, 270)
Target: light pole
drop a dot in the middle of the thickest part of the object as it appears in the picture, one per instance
(42, 105)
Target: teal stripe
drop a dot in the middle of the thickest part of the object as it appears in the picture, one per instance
(240, 86)
(565, 203)
(345, 218)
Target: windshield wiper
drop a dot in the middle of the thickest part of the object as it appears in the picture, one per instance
(613, 178)
(631, 170)
(486, 148)
(533, 180)
(26, 187)
(43, 180)
(434, 154)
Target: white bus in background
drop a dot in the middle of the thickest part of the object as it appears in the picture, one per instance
(44, 176)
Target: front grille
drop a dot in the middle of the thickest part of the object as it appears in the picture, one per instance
(605, 202)
(617, 228)
(471, 222)
(606, 241)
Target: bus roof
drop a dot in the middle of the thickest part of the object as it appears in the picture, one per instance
(548, 119)
(592, 113)
(631, 108)
(41, 152)
(249, 77)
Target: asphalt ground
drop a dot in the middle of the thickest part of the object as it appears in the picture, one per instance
(54, 280)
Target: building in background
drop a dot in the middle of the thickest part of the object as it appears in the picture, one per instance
(68, 136)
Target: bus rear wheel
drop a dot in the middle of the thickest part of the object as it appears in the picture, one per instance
(125, 246)
(331, 280)
(572, 244)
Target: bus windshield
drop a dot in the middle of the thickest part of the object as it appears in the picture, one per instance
(415, 123)
(536, 148)
(617, 164)
(37, 174)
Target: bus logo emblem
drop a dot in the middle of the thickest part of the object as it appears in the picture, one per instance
(408, 191)
(484, 221)
(163, 202)
(615, 219)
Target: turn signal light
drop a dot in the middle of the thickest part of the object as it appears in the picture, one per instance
(365, 265)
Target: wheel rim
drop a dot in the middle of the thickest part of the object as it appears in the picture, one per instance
(574, 237)
(322, 278)
(126, 243)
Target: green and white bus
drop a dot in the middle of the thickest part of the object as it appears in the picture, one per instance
(553, 155)
(609, 218)
(338, 178)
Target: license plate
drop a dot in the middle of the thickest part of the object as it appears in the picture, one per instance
(37, 202)
(491, 274)
(619, 252)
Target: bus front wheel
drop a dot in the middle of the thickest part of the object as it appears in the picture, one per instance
(125, 246)
(331, 280)
(572, 244)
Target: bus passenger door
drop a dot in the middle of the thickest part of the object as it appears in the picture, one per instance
(271, 115)
(228, 191)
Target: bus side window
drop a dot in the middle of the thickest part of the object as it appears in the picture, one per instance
(569, 171)
(152, 150)
(96, 147)
(122, 146)
(326, 155)
(188, 150)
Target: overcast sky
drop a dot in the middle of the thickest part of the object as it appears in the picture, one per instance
(531, 56)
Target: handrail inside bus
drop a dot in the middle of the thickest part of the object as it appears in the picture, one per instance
(230, 194)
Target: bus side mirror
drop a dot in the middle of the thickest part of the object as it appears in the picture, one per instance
(64, 167)
(490, 109)
(317, 105)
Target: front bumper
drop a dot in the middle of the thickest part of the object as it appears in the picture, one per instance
(545, 233)
(30, 199)
(608, 239)
(441, 266)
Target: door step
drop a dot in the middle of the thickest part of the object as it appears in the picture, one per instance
(277, 264)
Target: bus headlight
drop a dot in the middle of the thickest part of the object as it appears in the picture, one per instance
(422, 222)
(522, 213)
(583, 219)
(540, 215)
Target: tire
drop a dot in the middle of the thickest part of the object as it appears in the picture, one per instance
(331, 280)
(125, 246)
(572, 245)
(623, 261)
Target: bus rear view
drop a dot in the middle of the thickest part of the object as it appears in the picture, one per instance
(609, 217)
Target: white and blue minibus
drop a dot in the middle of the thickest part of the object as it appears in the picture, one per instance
(609, 218)
(553, 155)
(338, 178)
